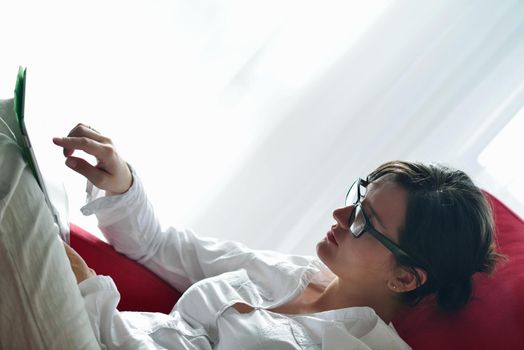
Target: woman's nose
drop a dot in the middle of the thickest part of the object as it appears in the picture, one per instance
(342, 216)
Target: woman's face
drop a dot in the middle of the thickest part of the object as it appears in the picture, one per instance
(365, 259)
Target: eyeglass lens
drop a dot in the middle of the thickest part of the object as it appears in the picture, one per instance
(356, 192)
(357, 220)
(358, 223)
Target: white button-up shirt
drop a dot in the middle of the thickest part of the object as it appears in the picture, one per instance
(214, 275)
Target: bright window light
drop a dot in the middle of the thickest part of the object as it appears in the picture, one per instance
(502, 159)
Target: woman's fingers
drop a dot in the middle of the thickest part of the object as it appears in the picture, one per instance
(82, 130)
(68, 249)
(94, 174)
(78, 265)
(85, 130)
(70, 144)
(111, 172)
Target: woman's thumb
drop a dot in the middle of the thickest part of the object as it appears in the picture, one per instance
(82, 167)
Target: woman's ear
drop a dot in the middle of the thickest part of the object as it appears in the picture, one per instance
(405, 279)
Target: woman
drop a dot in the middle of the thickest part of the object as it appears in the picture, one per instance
(408, 230)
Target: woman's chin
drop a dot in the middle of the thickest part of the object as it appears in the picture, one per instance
(324, 250)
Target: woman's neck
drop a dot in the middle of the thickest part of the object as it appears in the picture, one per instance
(338, 296)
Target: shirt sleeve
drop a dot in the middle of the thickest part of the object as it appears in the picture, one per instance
(111, 330)
(179, 256)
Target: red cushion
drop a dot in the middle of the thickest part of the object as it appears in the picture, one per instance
(140, 289)
(494, 319)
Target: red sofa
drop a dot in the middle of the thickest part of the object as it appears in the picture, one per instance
(493, 320)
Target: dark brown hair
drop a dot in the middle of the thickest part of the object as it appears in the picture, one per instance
(448, 227)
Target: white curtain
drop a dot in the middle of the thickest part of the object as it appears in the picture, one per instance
(429, 81)
(248, 120)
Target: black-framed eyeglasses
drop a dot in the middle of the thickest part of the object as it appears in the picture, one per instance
(359, 223)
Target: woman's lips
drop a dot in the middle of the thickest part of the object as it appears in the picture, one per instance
(331, 237)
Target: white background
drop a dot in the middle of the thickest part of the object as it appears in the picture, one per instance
(248, 119)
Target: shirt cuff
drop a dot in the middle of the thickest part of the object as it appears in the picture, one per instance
(110, 209)
(96, 284)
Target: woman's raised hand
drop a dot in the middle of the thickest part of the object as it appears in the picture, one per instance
(111, 172)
